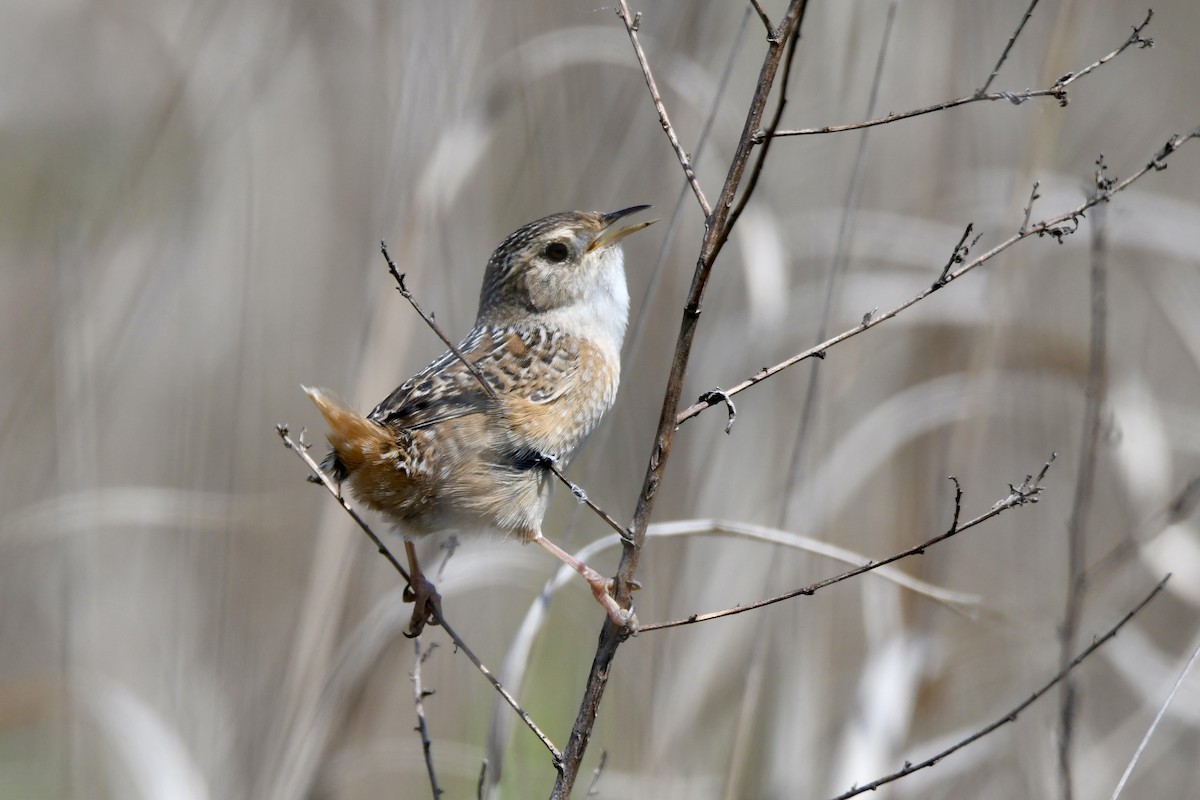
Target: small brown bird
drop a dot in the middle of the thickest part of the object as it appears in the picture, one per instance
(445, 452)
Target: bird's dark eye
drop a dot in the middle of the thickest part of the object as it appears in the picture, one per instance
(557, 251)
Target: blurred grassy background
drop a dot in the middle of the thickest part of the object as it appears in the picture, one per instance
(192, 196)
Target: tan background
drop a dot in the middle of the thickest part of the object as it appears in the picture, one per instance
(191, 198)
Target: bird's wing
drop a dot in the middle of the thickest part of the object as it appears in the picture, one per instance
(536, 365)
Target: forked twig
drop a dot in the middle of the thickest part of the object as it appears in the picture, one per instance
(1027, 492)
(1056, 227)
(1057, 90)
(715, 236)
(960, 253)
(1033, 197)
(760, 162)
(632, 21)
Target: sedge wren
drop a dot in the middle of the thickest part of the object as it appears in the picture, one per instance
(445, 452)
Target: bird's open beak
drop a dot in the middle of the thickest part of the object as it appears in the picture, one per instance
(610, 235)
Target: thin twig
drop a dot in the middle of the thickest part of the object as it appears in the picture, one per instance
(1056, 227)
(715, 237)
(1058, 90)
(1135, 38)
(958, 602)
(958, 256)
(1137, 754)
(636, 329)
(756, 171)
(419, 695)
(1026, 492)
(766, 21)
(1007, 48)
(301, 450)
(632, 21)
(1033, 197)
(516, 665)
(1012, 714)
(402, 287)
(582, 497)
(958, 496)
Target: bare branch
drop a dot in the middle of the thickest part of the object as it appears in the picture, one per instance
(637, 327)
(632, 21)
(958, 496)
(1135, 38)
(1058, 91)
(960, 253)
(752, 181)
(1007, 48)
(715, 235)
(1057, 227)
(958, 602)
(402, 287)
(301, 450)
(847, 221)
(1012, 714)
(766, 21)
(582, 496)
(1027, 492)
(419, 695)
(1033, 197)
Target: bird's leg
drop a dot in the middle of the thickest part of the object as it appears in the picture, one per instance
(427, 603)
(621, 617)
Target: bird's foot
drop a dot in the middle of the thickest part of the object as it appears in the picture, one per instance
(602, 590)
(427, 605)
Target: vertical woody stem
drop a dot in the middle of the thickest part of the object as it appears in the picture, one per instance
(715, 235)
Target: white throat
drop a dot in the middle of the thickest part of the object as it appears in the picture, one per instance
(602, 313)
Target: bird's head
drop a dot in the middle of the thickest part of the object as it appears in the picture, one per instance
(565, 270)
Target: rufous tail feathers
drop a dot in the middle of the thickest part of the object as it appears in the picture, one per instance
(355, 439)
